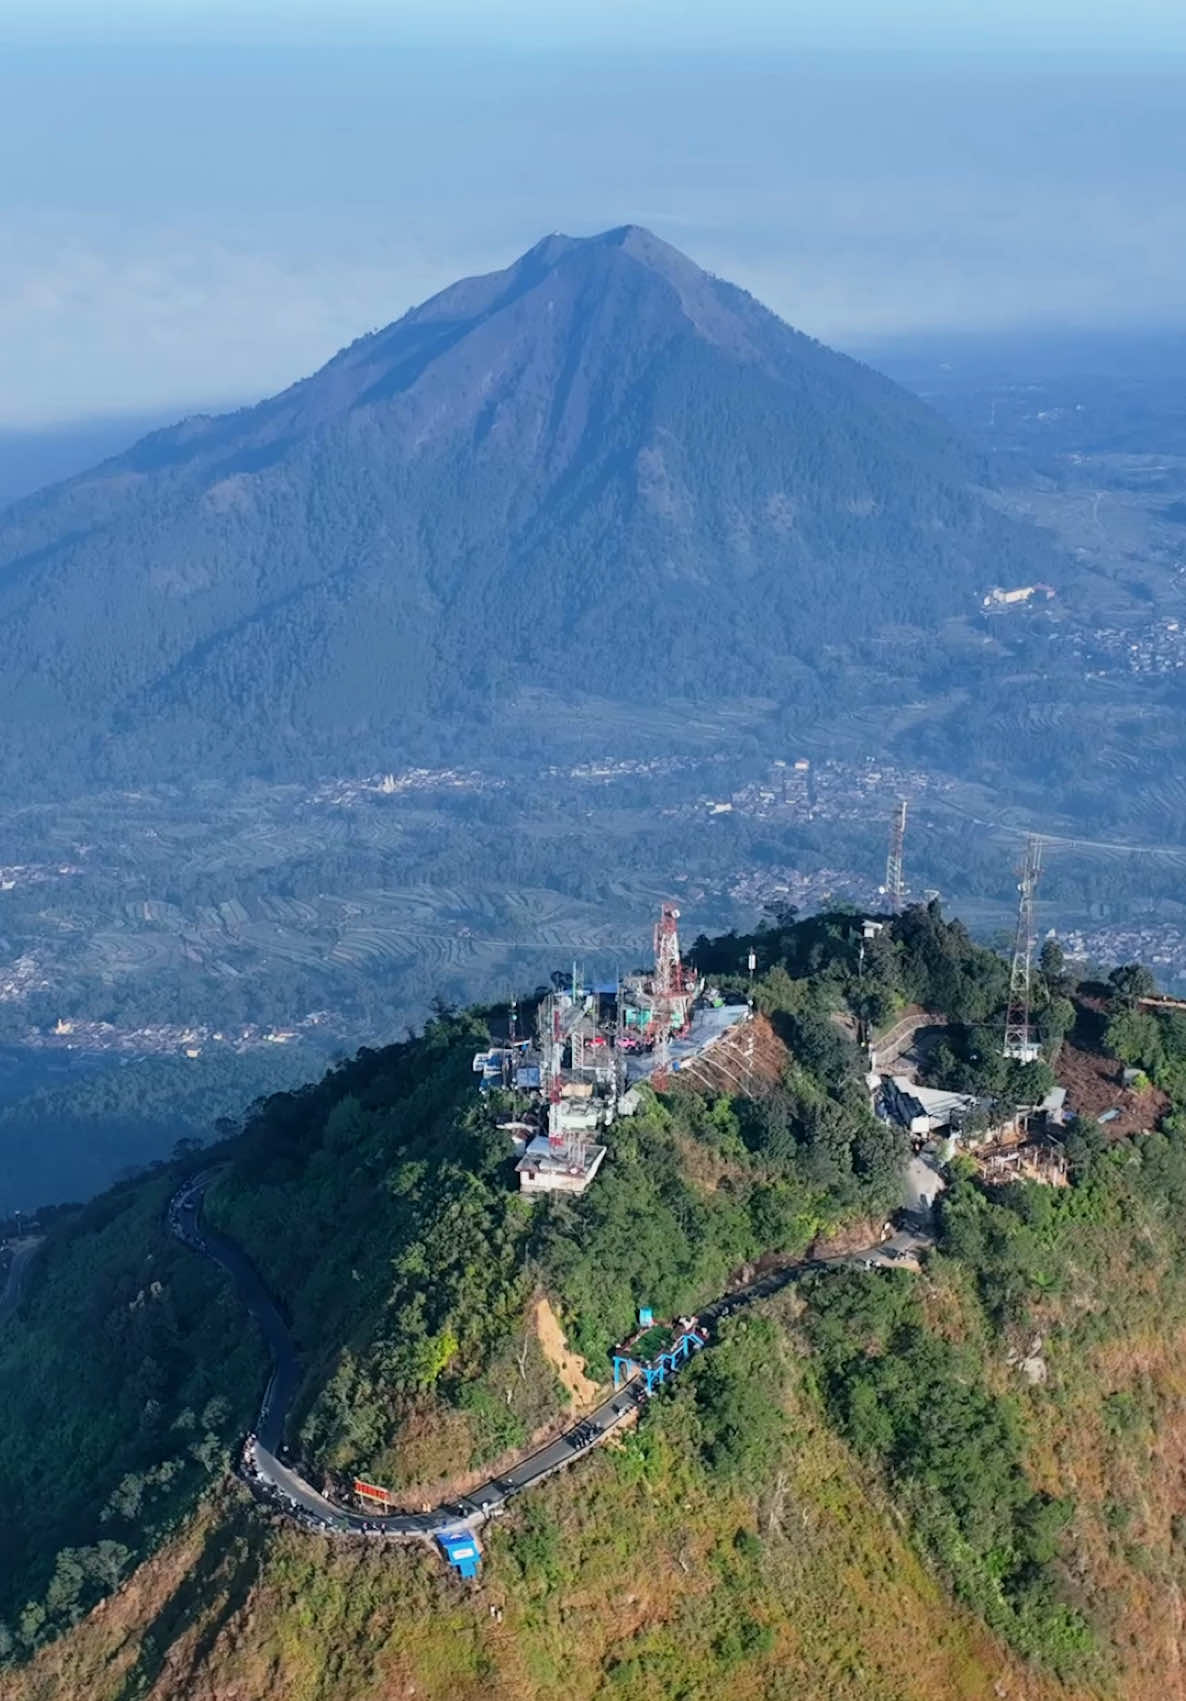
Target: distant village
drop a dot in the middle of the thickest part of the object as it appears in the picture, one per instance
(168, 1038)
(1159, 648)
(1160, 945)
(17, 874)
(826, 791)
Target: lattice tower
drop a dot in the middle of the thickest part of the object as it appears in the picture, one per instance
(895, 883)
(668, 985)
(1019, 1034)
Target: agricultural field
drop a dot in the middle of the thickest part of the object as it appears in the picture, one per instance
(253, 932)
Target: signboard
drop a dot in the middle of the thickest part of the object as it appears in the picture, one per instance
(369, 1491)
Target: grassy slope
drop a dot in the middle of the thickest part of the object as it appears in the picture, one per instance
(1090, 1284)
(628, 1579)
(1108, 1425)
(736, 1545)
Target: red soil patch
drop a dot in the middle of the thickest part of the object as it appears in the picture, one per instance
(1094, 1081)
(751, 1056)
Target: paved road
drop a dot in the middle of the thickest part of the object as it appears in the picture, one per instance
(185, 1220)
(924, 1183)
(274, 1480)
(23, 1252)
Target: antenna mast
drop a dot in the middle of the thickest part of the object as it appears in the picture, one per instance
(895, 885)
(668, 984)
(1019, 1034)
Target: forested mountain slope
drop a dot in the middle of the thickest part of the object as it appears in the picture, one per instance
(600, 469)
(957, 1481)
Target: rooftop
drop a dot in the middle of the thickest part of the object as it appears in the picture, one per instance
(707, 1026)
(542, 1169)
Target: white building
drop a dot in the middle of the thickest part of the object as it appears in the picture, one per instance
(544, 1169)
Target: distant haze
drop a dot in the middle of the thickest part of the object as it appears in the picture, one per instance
(186, 221)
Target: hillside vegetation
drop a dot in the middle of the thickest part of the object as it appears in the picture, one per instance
(378, 1205)
(669, 1567)
(955, 1482)
(127, 1376)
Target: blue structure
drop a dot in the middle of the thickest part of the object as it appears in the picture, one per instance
(646, 1316)
(461, 1550)
(659, 1369)
(624, 1369)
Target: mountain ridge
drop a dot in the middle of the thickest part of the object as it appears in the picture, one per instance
(868, 1486)
(598, 465)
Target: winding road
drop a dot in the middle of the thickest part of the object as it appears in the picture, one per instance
(271, 1479)
(21, 1256)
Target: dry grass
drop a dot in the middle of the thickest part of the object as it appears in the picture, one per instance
(620, 1582)
(569, 1366)
(704, 1167)
(751, 1058)
(1112, 1433)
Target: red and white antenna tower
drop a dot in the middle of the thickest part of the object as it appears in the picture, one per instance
(668, 988)
(669, 972)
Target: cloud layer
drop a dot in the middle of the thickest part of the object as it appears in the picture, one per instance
(212, 225)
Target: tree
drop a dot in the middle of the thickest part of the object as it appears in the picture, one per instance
(1052, 964)
(1084, 1143)
(782, 914)
(1055, 1022)
(1132, 981)
(1030, 1082)
(1134, 1036)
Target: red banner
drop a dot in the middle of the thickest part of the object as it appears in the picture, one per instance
(372, 1493)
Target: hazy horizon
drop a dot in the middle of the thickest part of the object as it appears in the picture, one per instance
(194, 216)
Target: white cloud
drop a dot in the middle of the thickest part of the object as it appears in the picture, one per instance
(94, 320)
(212, 228)
(98, 319)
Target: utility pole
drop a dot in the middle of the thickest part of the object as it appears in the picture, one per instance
(1019, 1035)
(895, 885)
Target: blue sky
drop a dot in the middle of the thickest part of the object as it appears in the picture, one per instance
(1154, 26)
(199, 203)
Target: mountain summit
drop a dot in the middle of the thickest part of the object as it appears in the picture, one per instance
(601, 470)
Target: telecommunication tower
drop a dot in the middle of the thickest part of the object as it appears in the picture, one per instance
(1019, 1033)
(669, 974)
(659, 1074)
(895, 885)
(668, 988)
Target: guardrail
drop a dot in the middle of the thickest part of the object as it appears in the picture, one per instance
(270, 1479)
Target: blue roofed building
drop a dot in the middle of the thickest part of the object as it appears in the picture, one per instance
(461, 1550)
